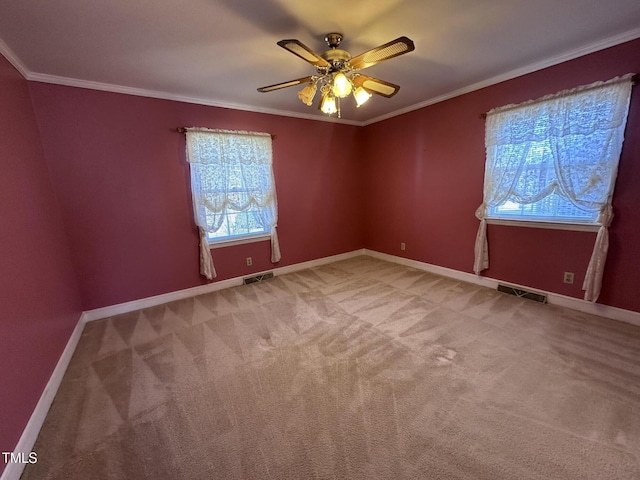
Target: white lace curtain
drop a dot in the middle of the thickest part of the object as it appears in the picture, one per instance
(231, 170)
(582, 129)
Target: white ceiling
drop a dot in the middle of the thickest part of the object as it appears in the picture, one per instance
(217, 52)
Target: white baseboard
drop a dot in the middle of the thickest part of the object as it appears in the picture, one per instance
(134, 305)
(614, 313)
(578, 304)
(30, 433)
(13, 471)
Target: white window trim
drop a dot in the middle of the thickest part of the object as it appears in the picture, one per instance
(261, 237)
(576, 227)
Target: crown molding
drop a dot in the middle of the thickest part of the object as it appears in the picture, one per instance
(13, 59)
(141, 92)
(534, 67)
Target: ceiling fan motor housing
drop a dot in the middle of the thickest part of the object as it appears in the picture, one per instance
(337, 58)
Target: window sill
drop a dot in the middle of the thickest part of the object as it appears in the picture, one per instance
(239, 241)
(576, 227)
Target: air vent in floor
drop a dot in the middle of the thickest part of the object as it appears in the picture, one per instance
(257, 278)
(536, 297)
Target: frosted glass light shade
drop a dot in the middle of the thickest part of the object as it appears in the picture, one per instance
(341, 85)
(361, 96)
(307, 93)
(328, 105)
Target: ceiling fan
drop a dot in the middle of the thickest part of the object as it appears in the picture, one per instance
(337, 72)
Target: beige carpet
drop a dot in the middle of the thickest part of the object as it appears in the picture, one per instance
(361, 369)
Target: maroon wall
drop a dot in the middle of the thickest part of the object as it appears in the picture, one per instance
(118, 183)
(39, 300)
(120, 172)
(424, 179)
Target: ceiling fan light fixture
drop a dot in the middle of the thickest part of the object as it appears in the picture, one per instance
(307, 93)
(341, 85)
(361, 96)
(337, 74)
(328, 104)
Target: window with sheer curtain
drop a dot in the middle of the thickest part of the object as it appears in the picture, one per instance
(555, 160)
(233, 189)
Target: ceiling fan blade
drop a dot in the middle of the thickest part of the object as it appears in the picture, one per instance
(394, 48)
(373, 85)
(290, 83)
(298, 48)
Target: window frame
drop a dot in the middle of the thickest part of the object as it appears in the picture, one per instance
(238, 240)
(549, 225)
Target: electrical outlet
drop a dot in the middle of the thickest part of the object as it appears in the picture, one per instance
(403, 246)
(568, 277)
(249, 262)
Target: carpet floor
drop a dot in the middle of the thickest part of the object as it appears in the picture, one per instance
(361, 369)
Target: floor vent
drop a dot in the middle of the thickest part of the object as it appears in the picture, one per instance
(257, 278)
(536, 297)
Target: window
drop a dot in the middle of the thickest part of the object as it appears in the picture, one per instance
(555, 160)
(242, 218)
(238, 225)
(233, 190)
(533, 178)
